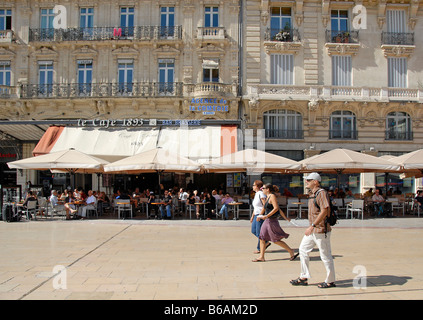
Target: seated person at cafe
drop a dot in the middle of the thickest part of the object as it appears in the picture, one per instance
(54, 200)
(419, 198)
(168, 200)
(226, 200)
(103, 202)
(152, 199)
(69, 205)
(210, 204)
(90, 203)
(29, 197)
(369, 193)
(378, 202)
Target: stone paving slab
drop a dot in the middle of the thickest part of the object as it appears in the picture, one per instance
(195, 260)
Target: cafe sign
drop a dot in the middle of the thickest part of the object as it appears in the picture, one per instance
(209, 106)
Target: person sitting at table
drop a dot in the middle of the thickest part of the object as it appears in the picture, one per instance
(70, 206)
(54, 200)
(419, 198)
(103, 202)
(349, 195)
(225, 205)
(378, 202)
(152, 199)
(369, 193)
(168, 202)
(29, 197)
(90, 203)
(210, 204)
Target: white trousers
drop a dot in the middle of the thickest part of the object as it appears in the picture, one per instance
(307, 244)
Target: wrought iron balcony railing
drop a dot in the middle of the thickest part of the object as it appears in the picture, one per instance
(343, 134)
(398, 38)
(398, 135)
(101, 90)
(284, 134)
(334, 36)
(283, 35)
(142, 33)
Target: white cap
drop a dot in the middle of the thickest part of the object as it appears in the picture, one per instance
(314, 176)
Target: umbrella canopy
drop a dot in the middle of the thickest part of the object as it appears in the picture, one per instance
(71, 161)
(155, 160)
(411, 163)
(251, 160)
(347, 161)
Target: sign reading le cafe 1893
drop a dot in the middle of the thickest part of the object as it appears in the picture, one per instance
(209, 106)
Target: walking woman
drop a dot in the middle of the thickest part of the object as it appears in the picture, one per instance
(271, 230)
(258, 203)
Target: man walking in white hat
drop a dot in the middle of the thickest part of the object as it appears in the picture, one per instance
(318, 233)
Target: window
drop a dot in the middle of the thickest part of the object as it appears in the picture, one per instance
(86, 18)
(167, 21)
(47, 16)
(397, 72)
(45, 76)
(282, 69)
(5, 19)
(126, 17)
(211, 16)
(5, 73)
(339, 21)
(280, 19)
(342, 125)
(125, 72)
(395, 21)
(398, 126)
(166, 75)
(341, 71)
(283, 124)
(85, 74)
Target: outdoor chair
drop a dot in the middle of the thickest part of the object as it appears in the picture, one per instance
(303, 207)
(92, 209)
(123, 205)
(291, 206)
(339, 203)
(31, 208)
(58, 210)
(356, 206)
(396, 204)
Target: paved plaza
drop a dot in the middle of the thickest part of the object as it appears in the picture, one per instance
(191, 260)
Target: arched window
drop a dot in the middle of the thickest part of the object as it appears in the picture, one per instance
(283, 124)
(343, 125)
(398, 126)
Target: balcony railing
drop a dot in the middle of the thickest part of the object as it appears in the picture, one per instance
(101, 90)
(6, 35)
(343, 134)
(211, 88)
(397, 135)
(333, 36)
(284, 134)
(326, 93)
(398, 38)
(284, 35)
(211, 33)
(142, 33)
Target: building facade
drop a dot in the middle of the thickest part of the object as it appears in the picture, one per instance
(303, 77)
(321, 75)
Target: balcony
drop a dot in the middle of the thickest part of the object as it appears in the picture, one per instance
(6, 36)
(142, 33)
(101, 90)
(211, 89)
(398, 38)
(343, 134)
(282, 41)
(398, 135)
(211, 33)
(333, 36)
(284, 134)
(335, 93)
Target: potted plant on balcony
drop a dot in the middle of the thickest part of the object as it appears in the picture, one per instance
(345, 37)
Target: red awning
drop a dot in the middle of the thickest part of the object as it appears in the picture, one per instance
(48, 141)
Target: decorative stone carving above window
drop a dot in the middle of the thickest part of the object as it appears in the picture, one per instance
(282, 47)
(342, 48)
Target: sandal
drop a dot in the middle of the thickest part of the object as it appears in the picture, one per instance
(294, 257)
(258, 260)
(299, 282)
(325, 285)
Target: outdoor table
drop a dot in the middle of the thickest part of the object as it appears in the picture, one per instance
(235, 206)
(299, 209)
(204, 207)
